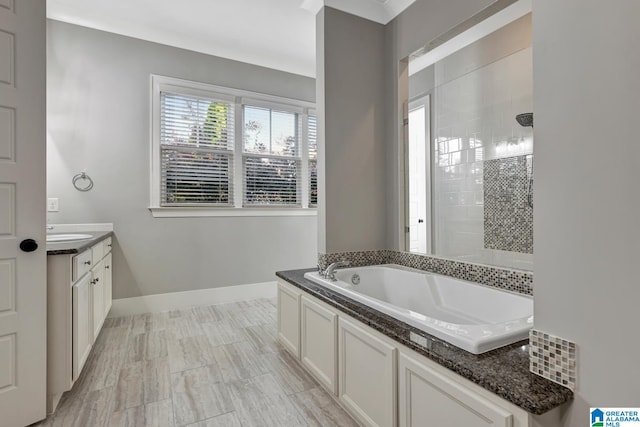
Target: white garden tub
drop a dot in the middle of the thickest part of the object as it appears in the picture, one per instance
(473, 317)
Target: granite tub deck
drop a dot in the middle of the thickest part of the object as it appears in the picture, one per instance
(504, 371)
(77, 246)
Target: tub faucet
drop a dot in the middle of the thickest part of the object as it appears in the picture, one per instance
(330, 274)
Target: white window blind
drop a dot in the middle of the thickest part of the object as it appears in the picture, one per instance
(312, 137)
(271, 157)
(196, 150)
(217, 150)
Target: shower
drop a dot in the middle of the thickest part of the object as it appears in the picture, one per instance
(526, 120)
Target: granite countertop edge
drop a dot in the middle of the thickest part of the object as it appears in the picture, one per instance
(77, 246)
(504, 371)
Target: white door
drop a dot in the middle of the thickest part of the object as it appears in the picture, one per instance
(418, 155)
(23, 310)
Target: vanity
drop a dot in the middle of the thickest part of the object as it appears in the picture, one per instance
(387, 373)
(79, 296)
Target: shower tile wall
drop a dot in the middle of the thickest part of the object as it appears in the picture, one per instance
(474, 121)
(508, 216)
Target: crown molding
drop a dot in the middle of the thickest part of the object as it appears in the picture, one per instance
(380, 11)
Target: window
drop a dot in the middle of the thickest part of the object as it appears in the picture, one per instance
(271, 157)
(215, 147)
(196, 150)
(313, 159)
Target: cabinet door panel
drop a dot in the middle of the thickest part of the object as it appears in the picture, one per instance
(81, 264)
(318, 342)
(107, 245)
(367, 381)
(289, 318)
(82, 324)
(97, 298)
(108, 283)
(427, 397)
(97, 252)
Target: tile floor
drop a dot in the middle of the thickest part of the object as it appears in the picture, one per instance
(206, 366)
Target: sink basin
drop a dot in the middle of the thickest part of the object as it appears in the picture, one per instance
(52, 238)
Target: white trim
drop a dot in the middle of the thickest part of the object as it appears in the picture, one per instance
(303, 151)
(192, 212)
(282, 107)
(312, 6)
(176, 300)
(154, 146)
(73, 228)
(381, 11)
(230, 92)
(473, 34)
(238, 173)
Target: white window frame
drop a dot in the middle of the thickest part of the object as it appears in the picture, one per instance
(241, 97)
(305, 129)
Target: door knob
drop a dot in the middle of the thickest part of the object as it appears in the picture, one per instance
(28, 245)
(420, 221)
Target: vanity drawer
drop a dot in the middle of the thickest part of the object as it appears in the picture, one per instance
(81, 264)
(107, 245)
(97, 251)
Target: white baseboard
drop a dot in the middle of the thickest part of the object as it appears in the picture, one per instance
(176, 300)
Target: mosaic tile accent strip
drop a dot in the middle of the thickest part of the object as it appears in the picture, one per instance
(508, 218)
(357, 258)
(553, 358)
(510, 280)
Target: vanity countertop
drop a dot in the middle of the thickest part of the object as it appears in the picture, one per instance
(504, 371)
(77, 246)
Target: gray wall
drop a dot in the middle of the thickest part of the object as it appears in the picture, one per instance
(350, 78)
(586, 201)
(422, 82)
(98, 121)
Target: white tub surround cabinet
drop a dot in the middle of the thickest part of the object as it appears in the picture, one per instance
(378, 380)
(78, 300)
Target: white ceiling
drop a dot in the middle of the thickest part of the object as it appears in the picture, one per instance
(278, 34)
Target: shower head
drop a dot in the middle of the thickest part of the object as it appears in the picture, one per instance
(525, 119)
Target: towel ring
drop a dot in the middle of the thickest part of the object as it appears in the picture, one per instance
(82, 177)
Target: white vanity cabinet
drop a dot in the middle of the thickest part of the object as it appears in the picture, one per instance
(78, 301)
(379, 381)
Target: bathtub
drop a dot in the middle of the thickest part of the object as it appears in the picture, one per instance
(473, 317)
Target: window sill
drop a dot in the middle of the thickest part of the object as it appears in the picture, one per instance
(195, 212)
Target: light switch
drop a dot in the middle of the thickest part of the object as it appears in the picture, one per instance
(52, 205)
